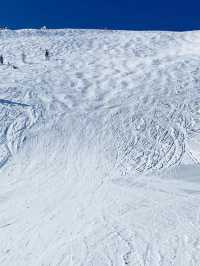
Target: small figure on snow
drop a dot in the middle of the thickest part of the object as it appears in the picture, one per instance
(1, 59)
(23, 58)
(47, 54)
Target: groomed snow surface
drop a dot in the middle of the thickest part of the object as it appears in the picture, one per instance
(99, 148)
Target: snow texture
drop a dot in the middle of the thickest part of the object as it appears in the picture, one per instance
(99, 148)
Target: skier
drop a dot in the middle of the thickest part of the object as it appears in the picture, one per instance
(23, 58)
(47, 54)
(1, 59)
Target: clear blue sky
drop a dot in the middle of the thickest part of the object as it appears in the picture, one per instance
(112, 14)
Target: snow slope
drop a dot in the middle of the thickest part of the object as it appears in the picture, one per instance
(99, 148)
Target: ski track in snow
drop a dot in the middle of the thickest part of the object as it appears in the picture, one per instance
(100, 148)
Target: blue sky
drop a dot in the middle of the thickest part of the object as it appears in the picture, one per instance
(118, 14)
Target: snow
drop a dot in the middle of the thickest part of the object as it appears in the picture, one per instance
(99, 148)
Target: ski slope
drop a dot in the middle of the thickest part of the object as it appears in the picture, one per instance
(99, 148)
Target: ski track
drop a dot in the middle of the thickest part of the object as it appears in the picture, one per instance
(99, 148)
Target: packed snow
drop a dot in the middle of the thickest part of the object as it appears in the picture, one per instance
(99, 148)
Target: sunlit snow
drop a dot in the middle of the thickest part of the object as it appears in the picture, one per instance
(99, 148)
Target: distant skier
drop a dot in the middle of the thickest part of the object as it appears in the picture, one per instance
(23, 58)
(1, 59)
(47, 54)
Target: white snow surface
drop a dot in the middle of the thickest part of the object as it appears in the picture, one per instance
(99, 148)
